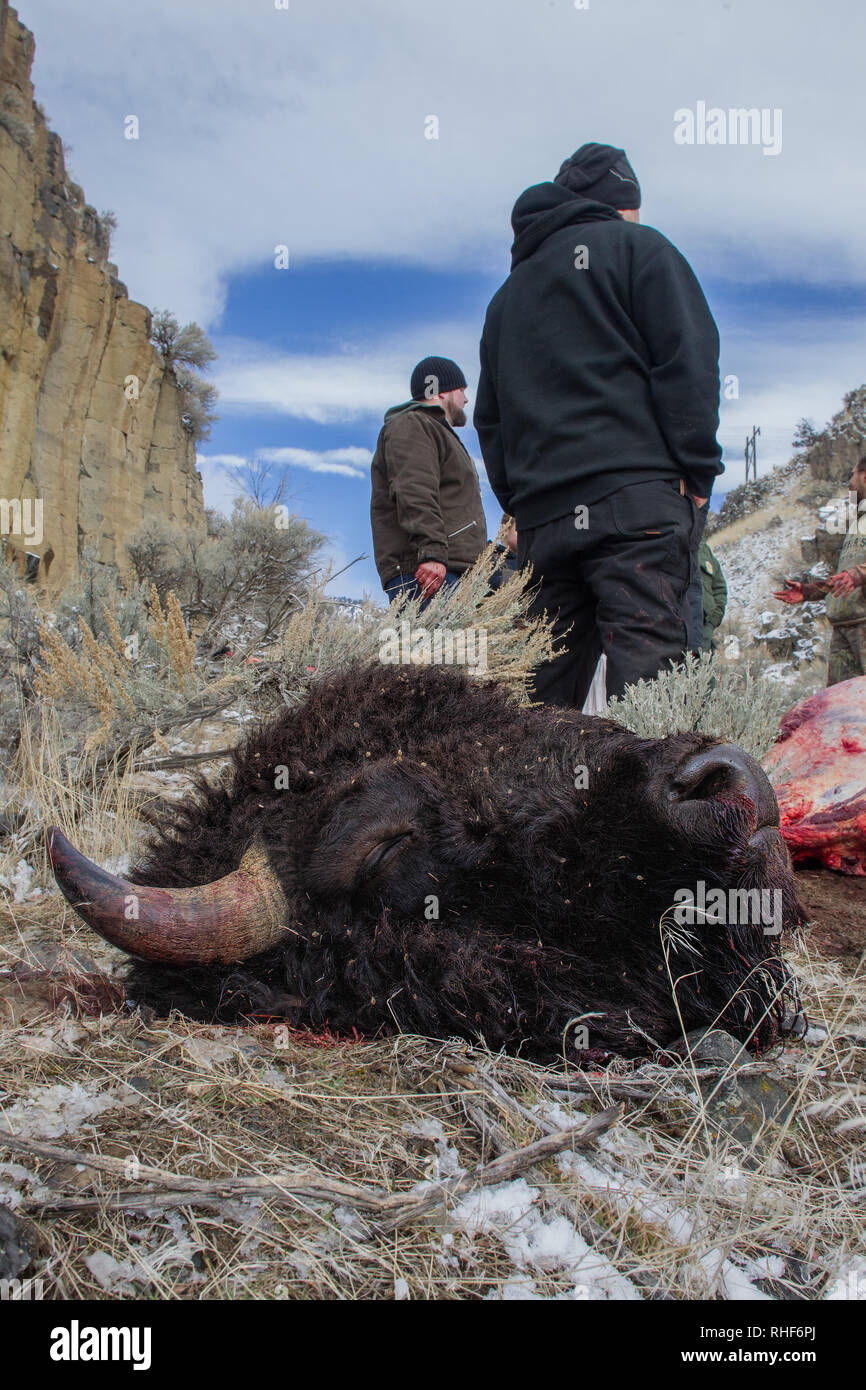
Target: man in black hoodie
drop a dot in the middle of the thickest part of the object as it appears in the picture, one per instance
(597, 414)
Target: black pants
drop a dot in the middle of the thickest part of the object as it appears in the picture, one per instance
(618, 583)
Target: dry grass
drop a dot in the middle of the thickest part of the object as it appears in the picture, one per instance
(656, 1196)
(663, 1198)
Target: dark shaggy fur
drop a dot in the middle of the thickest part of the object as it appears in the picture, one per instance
(406, 783)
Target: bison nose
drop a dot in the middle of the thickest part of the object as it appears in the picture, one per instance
(723, 771)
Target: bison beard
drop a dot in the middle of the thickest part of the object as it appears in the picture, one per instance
(391, 785)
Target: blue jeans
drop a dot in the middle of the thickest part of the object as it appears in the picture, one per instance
(408, 584)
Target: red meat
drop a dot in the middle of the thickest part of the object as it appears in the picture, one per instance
(818, 771)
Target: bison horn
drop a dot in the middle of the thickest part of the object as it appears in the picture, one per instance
(229, 920)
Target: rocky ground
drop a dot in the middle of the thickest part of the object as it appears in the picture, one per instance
(785, 535)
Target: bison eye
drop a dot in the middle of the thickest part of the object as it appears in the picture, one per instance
(380, 854)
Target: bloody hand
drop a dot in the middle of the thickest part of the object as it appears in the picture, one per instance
(430, 575)
(842, 583)
(792, 592)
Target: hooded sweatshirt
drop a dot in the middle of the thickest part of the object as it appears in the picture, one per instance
(426, 502)
(599, 362)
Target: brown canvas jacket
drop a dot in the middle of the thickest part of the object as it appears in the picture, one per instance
(426, 502)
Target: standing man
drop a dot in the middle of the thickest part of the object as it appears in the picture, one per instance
(597, 414)
(845, 593)
(426, 512)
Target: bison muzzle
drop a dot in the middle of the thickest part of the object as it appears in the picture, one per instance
(407, 852)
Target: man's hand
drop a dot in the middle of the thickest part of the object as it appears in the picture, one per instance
(792, 592)
(430, 575)
(699, 501)
(843, 583)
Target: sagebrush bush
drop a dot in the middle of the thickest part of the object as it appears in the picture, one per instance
(707, 695)
(120, 687)
(253, 567)
(317, 640)
(117, 666)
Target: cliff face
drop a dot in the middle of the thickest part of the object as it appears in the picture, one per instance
(90, 422)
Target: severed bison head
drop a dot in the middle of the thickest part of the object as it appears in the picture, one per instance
(407, 852)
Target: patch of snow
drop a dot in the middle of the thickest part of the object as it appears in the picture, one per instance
(516, 1290)
(10, 1192)
(20, 883)
(537, 1241)
(815, 1035)
(51, 1111)
(446, 1161)
(426, 1128)
(631, 1194)
(554, 1114)
(765, 1267)
(490, 1208)
(276, 1078)
(120, 1276)
(114, 1276)
(628, 1145)
(722, 1275)
(205, 1052)
(57, 1036)
(349, 1221)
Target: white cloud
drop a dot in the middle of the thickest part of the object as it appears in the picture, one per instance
(349, 463)
(219, 471)
(344, 384)
(332, 388)
(221, 460)
(306, 127)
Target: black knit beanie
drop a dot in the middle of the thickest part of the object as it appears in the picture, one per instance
(601, 172)
(435, 375)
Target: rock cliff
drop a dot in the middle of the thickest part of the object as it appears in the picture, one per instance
(90, 421)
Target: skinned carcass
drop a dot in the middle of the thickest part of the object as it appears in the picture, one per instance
(818, 771)
(404, 851)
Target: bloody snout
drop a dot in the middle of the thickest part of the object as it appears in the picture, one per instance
(726, 771)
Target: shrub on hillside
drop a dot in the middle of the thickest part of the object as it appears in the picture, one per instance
(186, 353)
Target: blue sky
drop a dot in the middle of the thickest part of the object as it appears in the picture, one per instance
(306, 127)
